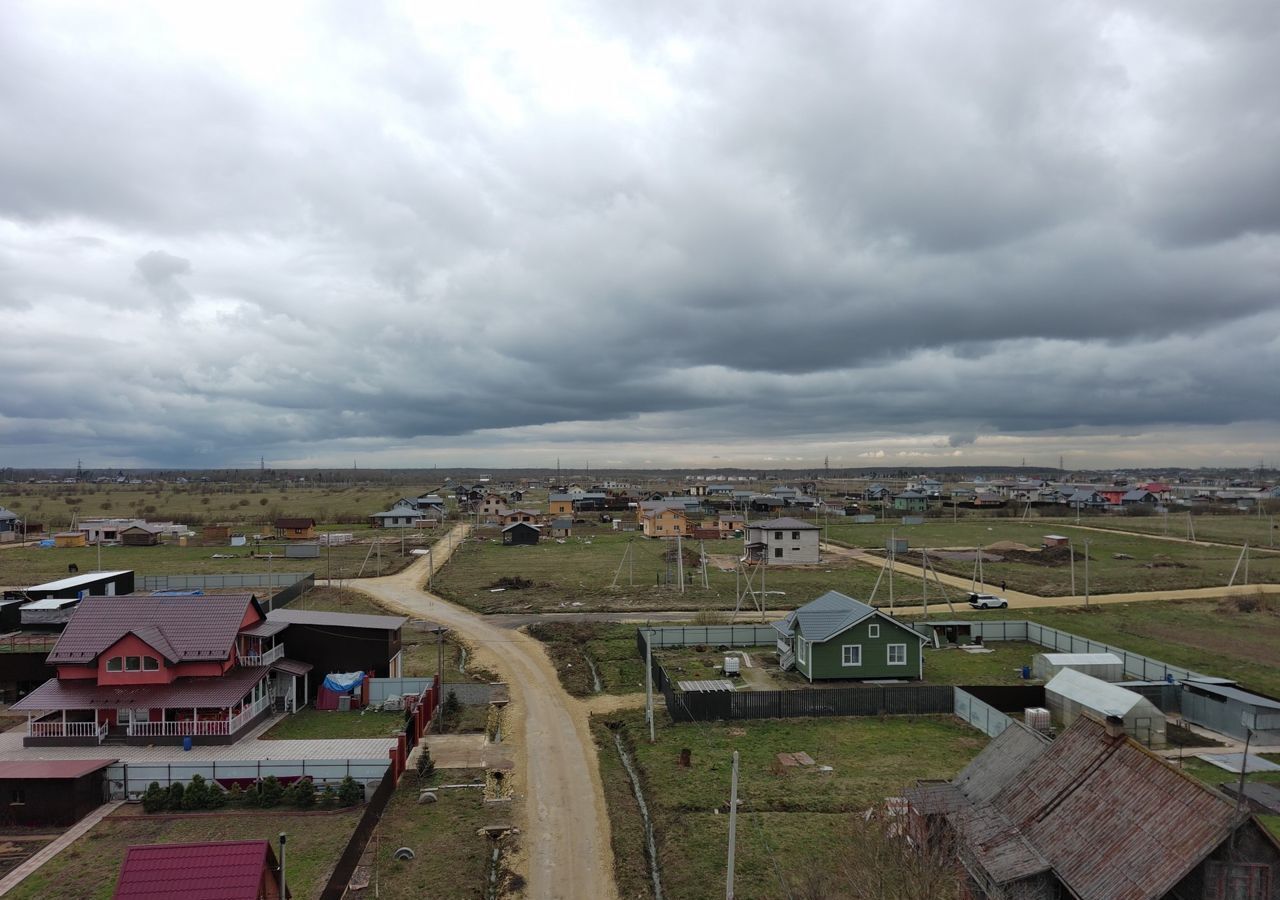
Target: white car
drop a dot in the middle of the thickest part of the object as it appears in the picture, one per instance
(987, 601)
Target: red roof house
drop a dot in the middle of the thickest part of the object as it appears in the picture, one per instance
(211, 870)
(159, 669)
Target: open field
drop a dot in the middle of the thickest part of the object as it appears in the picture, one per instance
(1151, 564)
(791, 822)
(578, 574)
(418, 645)
(28, 566)
(1216, 637)
(450, 858)
(87, 870)
(1258, 531)
(196, 504)
(576, 648)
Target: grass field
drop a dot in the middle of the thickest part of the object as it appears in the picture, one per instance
(417, 644)
(1211, 636)
(319, 724)
(611, 650)
(1150, 564)
(578, 575)
(450, 858)
(1258, 531)
(55, 504)
(87, 870)
(790, 822)
(28, 566)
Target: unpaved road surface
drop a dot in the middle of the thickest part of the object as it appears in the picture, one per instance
(565, 840)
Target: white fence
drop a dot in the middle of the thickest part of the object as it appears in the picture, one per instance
(263, 659)
(468, 693)
(982, 716)
(712, 635)
(1141, 668)
(56, 728)
(129, 780)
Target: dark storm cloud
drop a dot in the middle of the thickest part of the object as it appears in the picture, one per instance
(634, 225)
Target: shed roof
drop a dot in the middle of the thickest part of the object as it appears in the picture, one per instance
(51, 769)
(1232, 693)
(209, 870)
(786, 523)
(335, 619)
(77, 580)
(1094, 693)
(188, 628)
(295, 523)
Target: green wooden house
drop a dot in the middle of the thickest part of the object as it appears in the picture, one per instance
(838, 637)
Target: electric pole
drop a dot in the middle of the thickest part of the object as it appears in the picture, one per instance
(733, 826)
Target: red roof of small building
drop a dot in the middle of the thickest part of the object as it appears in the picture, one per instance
(182, 628)
(210, 870)
(51, 769)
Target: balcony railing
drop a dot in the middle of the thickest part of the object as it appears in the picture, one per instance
(262, 659)
(199, 727)
(56, 728)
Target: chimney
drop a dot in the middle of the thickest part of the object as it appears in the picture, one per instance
(1115, 727)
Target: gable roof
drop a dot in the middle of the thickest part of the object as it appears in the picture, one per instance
(209, 870)
(1094, 693)
(829, 615)
(295, 523)
(786, 523)
(184, 628)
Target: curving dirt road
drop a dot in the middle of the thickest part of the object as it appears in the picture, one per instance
(566, 837)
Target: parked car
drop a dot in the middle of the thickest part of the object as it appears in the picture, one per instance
(987, 601)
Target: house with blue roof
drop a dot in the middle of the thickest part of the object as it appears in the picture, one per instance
(836, 636)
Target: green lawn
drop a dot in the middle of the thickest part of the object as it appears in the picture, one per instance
(1227, 529)
(319, 724)
(1210, 636)
(790, 821)
(1154, 564)
(87, 870)
(450, 858)
(578, 575)
(1003, 665)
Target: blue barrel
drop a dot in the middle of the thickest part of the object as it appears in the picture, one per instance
(186, 742)
(1026, 672)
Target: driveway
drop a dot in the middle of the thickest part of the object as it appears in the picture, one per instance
(566, 833)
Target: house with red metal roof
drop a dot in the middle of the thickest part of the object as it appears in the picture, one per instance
(210, 870)
(154, 669)
(1092, 815)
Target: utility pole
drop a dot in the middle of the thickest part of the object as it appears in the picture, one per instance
(1072, 547)
(648, 681)
(680, 562)
(733, 827)
(439, 676)
(283, 890)
(1086, 572)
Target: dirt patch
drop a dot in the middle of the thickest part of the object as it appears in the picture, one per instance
(1051, 557)
(1001, 546)
(510, 583)
(1160, 561)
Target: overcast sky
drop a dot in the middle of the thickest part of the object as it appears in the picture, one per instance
(669, 234)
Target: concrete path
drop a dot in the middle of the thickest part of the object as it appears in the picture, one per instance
(566, 833)
(52, 849)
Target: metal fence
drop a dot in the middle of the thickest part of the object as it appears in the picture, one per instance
(1137, 666)
(713, 635)
(130, 780)
(197, 582)
(336, 887)
(987, 719)
(468, 693)
(872, 700)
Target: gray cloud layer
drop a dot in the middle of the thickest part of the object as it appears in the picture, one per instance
(229, 232)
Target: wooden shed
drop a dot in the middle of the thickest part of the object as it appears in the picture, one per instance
(140, 536)
(46, 793)
(296, 529)
(521, 533)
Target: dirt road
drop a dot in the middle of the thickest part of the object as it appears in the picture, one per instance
(566, 836)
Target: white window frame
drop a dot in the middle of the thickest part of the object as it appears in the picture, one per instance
(801, 646)
(844, 655)
(889, 655)
(873, 630)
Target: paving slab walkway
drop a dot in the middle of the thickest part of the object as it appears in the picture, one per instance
(52, 849)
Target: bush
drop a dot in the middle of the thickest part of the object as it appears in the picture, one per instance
(270, 792)
(302, 793)
(235, 796)
(328, 797)
(450, 711)
(426, 765)
(155, 798)
(197, 794)
(350, 792)
(174, 801)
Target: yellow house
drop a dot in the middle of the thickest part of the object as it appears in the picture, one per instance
(664, 523)
(561, 505)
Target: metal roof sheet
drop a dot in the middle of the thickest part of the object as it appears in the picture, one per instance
(77, 580)
(786, 523)
(335, 619)
(1094, 693)
(194, 628)
(184, 692)
(210, 870)
(51, 768)
(1232, 693)
(1003, 760)
(1081, 659)
(292, 666)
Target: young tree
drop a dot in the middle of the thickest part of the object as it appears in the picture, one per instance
(350, 792)
(153, 800)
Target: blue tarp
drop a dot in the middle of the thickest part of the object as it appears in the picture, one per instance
(341, 682)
